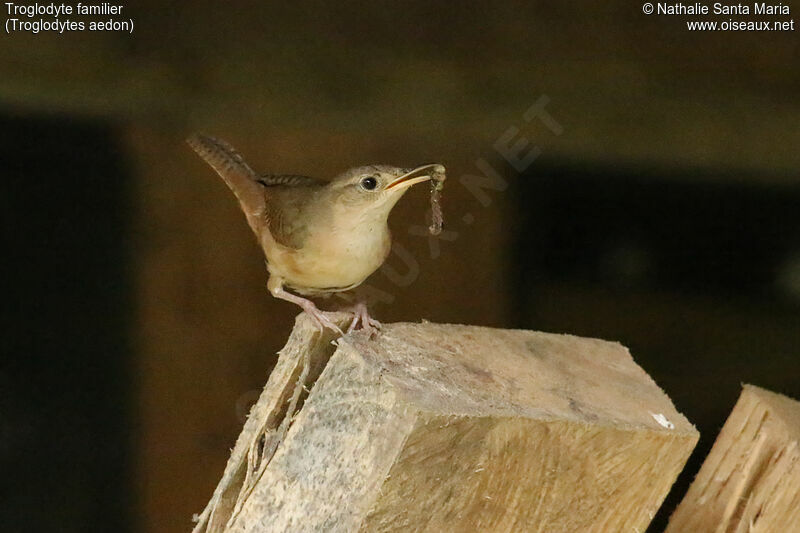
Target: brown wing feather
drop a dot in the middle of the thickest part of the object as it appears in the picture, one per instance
(289, 180)
(285, 213)
(287, 200)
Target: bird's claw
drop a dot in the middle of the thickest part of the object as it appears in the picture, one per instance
(321, 320)
(326, 322)
(361, 316)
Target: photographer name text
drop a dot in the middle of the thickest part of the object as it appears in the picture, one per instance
(718, 8)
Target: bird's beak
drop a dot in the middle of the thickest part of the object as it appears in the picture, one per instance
(417, 175)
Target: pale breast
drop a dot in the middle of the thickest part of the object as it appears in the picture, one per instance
(331, 261)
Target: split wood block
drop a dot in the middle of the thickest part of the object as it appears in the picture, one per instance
(750, 482)
(430, 427)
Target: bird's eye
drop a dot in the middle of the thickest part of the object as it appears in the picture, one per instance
(369, 183)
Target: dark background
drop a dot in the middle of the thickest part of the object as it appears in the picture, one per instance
(664, 213)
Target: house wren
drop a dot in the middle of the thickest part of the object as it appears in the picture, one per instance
(320, 237)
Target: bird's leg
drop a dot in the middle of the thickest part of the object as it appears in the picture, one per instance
(321, 319)
(361, 315)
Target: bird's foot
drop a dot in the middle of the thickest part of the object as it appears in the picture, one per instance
(361, 316)
(320, 319)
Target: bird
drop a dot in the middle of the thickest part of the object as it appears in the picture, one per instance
(319, 237)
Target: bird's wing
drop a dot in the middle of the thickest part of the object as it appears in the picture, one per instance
(288, 196)
(232, 168)
(288, 180)
(287, 211)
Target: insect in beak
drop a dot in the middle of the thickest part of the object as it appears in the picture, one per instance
(412, 177)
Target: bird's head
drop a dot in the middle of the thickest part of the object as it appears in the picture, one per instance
(376, 188)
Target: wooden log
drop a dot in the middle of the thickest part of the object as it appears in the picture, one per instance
(430, 427)
(750, 482)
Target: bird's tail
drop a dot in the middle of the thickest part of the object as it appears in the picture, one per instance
(232, 168)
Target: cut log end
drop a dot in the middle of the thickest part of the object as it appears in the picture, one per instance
(431, 427)
(750, 482)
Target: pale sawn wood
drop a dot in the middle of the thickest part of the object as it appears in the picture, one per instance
(430, 427)
(750, 482)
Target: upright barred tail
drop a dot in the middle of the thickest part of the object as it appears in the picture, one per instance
(232, 168)
(221, 156)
